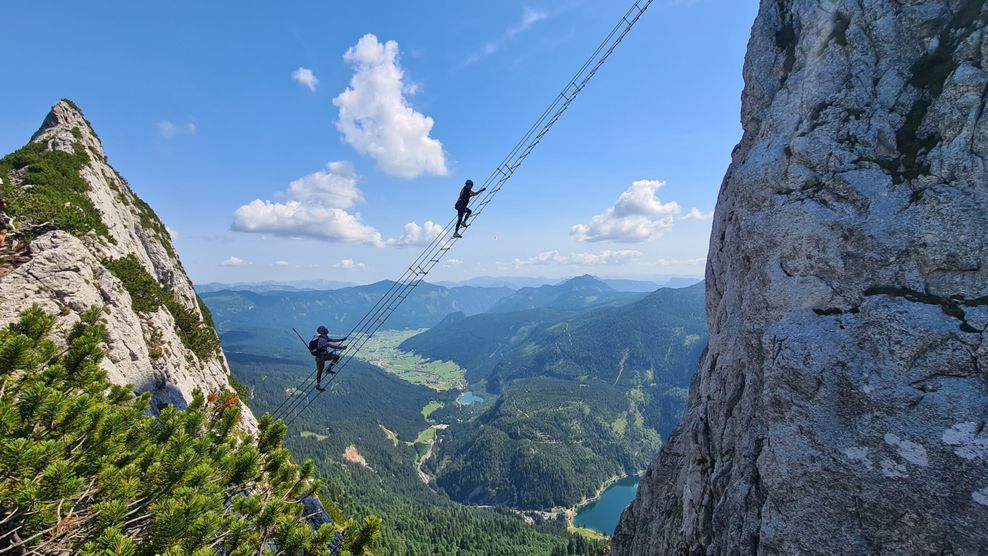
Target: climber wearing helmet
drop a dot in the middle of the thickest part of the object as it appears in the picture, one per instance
(324, 348)
(462, 212)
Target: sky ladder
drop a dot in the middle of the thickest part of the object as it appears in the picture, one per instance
(303, 396)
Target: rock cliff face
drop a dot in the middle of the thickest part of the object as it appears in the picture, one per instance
(160, 339)
(842, 405)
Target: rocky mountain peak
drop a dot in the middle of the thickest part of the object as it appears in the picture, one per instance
(842, 404)
(109, 248)
(64, 127)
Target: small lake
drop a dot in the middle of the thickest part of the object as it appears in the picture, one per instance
(468, 398)
(603, 514)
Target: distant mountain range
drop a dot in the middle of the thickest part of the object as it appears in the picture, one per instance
(272, 285)
(619, 284)
(511, 282)
(341, 309)
(575, 294)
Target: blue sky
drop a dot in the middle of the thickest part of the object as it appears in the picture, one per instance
(227, 116)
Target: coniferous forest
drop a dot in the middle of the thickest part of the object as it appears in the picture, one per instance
(84, 468)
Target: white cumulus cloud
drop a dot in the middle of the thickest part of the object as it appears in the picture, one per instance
(305, 77)
(637, 216)
(335, 187)
(316, 209)
(554, 257)
(376, 118)
(415, 235)
(169, 130)
(281, 263)
(348, 264)
(234, 261)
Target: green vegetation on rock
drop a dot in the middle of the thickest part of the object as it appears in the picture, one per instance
(51, 189)
(148, 295)
(85, 470)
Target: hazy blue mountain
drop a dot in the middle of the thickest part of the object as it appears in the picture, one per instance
(342, 308)
(272, 285)
(681, 281)
(576, 294)
(513, 282)
(626, 285)
(619, 284)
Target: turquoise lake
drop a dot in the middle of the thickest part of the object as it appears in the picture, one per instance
(603, 514)
(468, 398)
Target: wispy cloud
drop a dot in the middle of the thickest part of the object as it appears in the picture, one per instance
(349, 264)
(169, 130)
(377, 119)
(695, 261)
(529, 17)
(234, 261)
(281, 263)
(607, 257)
(306, 78)
(637, 216)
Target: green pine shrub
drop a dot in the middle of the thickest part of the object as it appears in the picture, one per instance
(85, 470)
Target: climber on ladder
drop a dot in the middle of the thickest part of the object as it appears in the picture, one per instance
(462, 212)
(324, 349)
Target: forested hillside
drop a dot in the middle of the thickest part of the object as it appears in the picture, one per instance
(581, 399)
(366, 436)
(546, 443)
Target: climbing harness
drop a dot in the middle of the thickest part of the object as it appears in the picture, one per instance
(303, 396)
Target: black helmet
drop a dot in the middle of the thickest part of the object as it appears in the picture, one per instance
(322, 330)
(469, 182)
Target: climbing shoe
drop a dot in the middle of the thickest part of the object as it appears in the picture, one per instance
(457, 235)
(320, 388)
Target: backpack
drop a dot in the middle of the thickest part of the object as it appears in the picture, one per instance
(314, 346)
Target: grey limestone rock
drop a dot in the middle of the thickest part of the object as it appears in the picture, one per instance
(66, 275)
(842, 404)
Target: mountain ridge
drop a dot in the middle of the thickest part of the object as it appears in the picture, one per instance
(107, 248)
